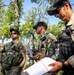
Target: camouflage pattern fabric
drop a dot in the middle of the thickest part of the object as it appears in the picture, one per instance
(71, 61)
(71, 22)
(12, 55)
(45, 47)
(67, 51)
(13, 71)
(1, 70)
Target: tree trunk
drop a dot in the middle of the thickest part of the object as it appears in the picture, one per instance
(16, 20)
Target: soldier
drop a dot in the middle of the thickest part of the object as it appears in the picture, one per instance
(13, 55)
(62, 9)
(1, 70)
(46, 45)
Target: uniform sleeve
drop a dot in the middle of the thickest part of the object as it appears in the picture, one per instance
(52, 47)
(71, 60)
(51, 36)
(72, 32)
(22, 49)
(41, 51)
(2, 49)
(61, 56)
(44, 45)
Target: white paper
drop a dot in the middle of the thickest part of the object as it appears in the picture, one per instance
(40, 67)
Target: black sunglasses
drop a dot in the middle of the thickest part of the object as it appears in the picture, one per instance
(57, 11)
(13, 33)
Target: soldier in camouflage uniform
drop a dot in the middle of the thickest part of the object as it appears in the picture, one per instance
(1, 70)
(46, 44)
(13, 55)
(62, 9)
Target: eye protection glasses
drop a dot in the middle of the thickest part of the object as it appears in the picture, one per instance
(13, 33)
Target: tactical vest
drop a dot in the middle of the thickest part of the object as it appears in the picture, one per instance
(65, 45)
(11, 56)
(48, 44)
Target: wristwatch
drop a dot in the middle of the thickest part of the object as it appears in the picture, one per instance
(63, 65)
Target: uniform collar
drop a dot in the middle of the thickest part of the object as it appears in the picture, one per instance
(43, 35)
(15, 42)
(71, 21)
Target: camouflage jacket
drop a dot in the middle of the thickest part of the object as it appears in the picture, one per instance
(46, 46)
(71, 22)
(71, 60)
(64, 42)
(65, 52)
(67, 48)
(12, 54)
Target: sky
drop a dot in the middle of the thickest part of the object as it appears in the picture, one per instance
(53, 20)
(27, 5)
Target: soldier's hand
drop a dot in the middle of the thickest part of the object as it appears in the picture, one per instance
(34, 52)
(38, 56)
(66, 63)
(56, 66)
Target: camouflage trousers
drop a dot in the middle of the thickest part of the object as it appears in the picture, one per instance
(1, 70)
(13, 71)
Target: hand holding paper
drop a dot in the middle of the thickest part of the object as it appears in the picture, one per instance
(40, 67)
(56, 66)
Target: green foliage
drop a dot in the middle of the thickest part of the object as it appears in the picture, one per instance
(9, 14)
(42, 1)
(6, 18)
(61, 24)
(51, 1)
(2, 10)
(4, 31)
(43, 5)
(20, 4)
(36, 14)
(26, 29)
(56, 29)
(32, 16)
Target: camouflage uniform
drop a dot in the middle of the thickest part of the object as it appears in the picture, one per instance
(67, 48)
(12, 56)
(46, 47)
(1, 70)
(71, 22)
(69, 29)
(64, 42)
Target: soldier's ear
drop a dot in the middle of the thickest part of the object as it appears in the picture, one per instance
(66, 6)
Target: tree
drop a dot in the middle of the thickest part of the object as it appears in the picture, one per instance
(56, 29)
(18, 10)
(7, 18)
(31, 18)
(3, 28)
(42, 1)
